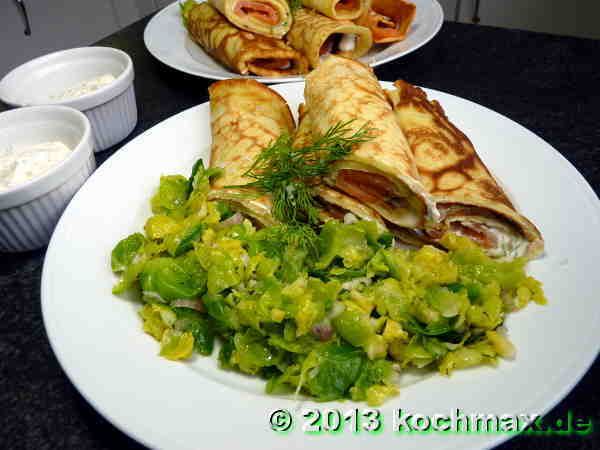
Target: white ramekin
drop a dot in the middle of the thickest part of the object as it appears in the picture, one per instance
(112, 109)
(29, 212)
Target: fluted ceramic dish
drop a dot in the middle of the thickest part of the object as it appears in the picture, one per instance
(29, 211)
(111, 109)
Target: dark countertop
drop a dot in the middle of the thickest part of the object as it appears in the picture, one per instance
(549, 84)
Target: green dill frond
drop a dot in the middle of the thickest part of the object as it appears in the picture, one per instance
(334, 145)
(295, 4)
(301, 236)
(287, 173)
(293, 203)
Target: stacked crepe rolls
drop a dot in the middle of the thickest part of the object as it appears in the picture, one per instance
(419, 176)
(242, 51)
(246, 116)
(459, 192)
(264, 38)
(470, 201)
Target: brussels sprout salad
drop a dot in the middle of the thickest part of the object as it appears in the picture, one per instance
(339, 319)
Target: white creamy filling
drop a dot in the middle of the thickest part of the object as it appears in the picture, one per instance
(85, 87)
(508, 245)
(19, 165)
(350, 218)
(432, 210)
(347, 43)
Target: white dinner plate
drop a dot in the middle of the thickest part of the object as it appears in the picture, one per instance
(167, 39)
(99, 342)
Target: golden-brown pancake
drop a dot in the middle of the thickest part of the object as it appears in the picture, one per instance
(338, 9)
(242, 51)
(271, 18)
(246, 117)
(314, 35)
(381, 172)
(467, 196)
(334, 204)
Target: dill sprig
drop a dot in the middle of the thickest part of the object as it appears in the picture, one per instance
(279, 237)
(295, 4)
(288, 174)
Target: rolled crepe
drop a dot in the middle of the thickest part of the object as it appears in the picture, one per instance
(242, 51)
(315, 35)
(338, 9)
(271, 18)
(333, 204)
(381, 172)
(246, 117)
(469, 199)
(388, 20)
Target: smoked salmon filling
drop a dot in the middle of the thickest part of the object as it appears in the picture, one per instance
(347, 5)
(271, 18)
(388, 20)
(258, 10)
(397, 204)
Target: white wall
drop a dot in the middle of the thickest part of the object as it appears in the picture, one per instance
(128, 11)
(565, 17)
(163, 3)
(60, 24)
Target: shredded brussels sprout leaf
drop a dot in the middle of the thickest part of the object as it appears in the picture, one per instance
(332, 311)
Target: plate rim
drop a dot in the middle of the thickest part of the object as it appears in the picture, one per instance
(439, 16)
(493, 441)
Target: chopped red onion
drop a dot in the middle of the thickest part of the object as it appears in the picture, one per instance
(236, 219)
(323, 331)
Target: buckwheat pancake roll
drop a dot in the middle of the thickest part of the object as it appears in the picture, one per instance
(469, 199)
(315, 35)
(388, 20)
(381, 172)
(338, 9)
(271, 18)
(241, 51)
(333, 204)
(246, 117)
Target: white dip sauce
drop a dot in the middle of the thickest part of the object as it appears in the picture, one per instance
(21, 164)
(85, 87)
(347, 43)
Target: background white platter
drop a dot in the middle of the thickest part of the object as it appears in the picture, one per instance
(167, 40)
